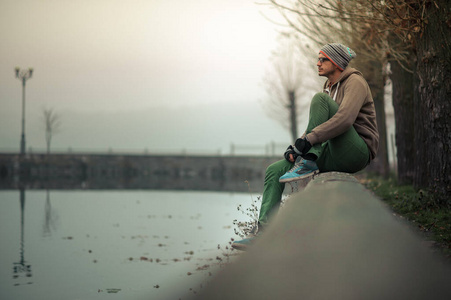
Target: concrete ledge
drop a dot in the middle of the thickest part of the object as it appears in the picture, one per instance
(334, 240)
(299, 185)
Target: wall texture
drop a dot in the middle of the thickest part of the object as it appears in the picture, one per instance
(109, 171)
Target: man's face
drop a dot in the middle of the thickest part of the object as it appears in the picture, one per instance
(326, 67)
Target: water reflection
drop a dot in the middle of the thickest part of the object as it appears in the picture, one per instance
(108, 234)
(22, 269)
(124, 190)
(50, 217)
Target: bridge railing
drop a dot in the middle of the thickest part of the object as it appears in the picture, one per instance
(269, 149)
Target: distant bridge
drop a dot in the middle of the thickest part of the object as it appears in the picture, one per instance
(269, 149)
(117, 171)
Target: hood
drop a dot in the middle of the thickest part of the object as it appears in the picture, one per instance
(344, 75)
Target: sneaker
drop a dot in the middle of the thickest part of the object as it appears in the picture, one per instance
(302, 169)
(243, 244)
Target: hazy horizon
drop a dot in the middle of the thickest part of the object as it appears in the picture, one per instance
(138, 74)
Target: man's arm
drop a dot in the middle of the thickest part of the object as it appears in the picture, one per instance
(355, 94)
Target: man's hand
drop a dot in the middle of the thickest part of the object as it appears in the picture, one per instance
(290, 155)
(302, 146)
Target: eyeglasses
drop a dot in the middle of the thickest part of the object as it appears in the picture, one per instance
(323, 59)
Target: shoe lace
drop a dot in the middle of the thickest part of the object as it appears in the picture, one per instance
(297, 165)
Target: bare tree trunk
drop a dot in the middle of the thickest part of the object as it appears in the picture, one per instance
(402, 82)
(293, 119)
(372, 70)
(432, 102)
(380, 163)
(48, 146)
(52, 122)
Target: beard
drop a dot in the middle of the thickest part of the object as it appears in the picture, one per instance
(325, 73)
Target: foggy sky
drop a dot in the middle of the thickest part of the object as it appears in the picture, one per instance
(155, 74)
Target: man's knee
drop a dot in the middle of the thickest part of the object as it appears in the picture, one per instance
(321, 99)
(323, 102)
(321, 95)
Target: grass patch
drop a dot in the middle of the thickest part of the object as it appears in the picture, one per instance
(421, 207)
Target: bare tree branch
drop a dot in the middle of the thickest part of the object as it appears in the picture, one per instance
(52, 123)
(286, 84)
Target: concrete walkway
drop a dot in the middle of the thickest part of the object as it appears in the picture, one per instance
(334, 240)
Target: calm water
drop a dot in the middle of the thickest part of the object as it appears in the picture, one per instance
(113, 244)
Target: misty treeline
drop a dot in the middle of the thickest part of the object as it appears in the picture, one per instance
(408, 42)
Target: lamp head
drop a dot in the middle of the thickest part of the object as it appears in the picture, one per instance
(17, 69)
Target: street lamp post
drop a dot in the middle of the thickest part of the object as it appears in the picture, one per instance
(23, 75)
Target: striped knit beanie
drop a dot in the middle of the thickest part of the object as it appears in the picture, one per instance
(340, 55)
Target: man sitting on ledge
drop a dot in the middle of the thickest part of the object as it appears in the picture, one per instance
(341, 133)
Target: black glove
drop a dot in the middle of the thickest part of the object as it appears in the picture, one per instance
(289, 151)
(302, 146)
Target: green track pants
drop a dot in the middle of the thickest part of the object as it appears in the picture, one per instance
(344, 153)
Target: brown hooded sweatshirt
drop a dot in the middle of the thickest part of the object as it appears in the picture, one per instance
(356, 108)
